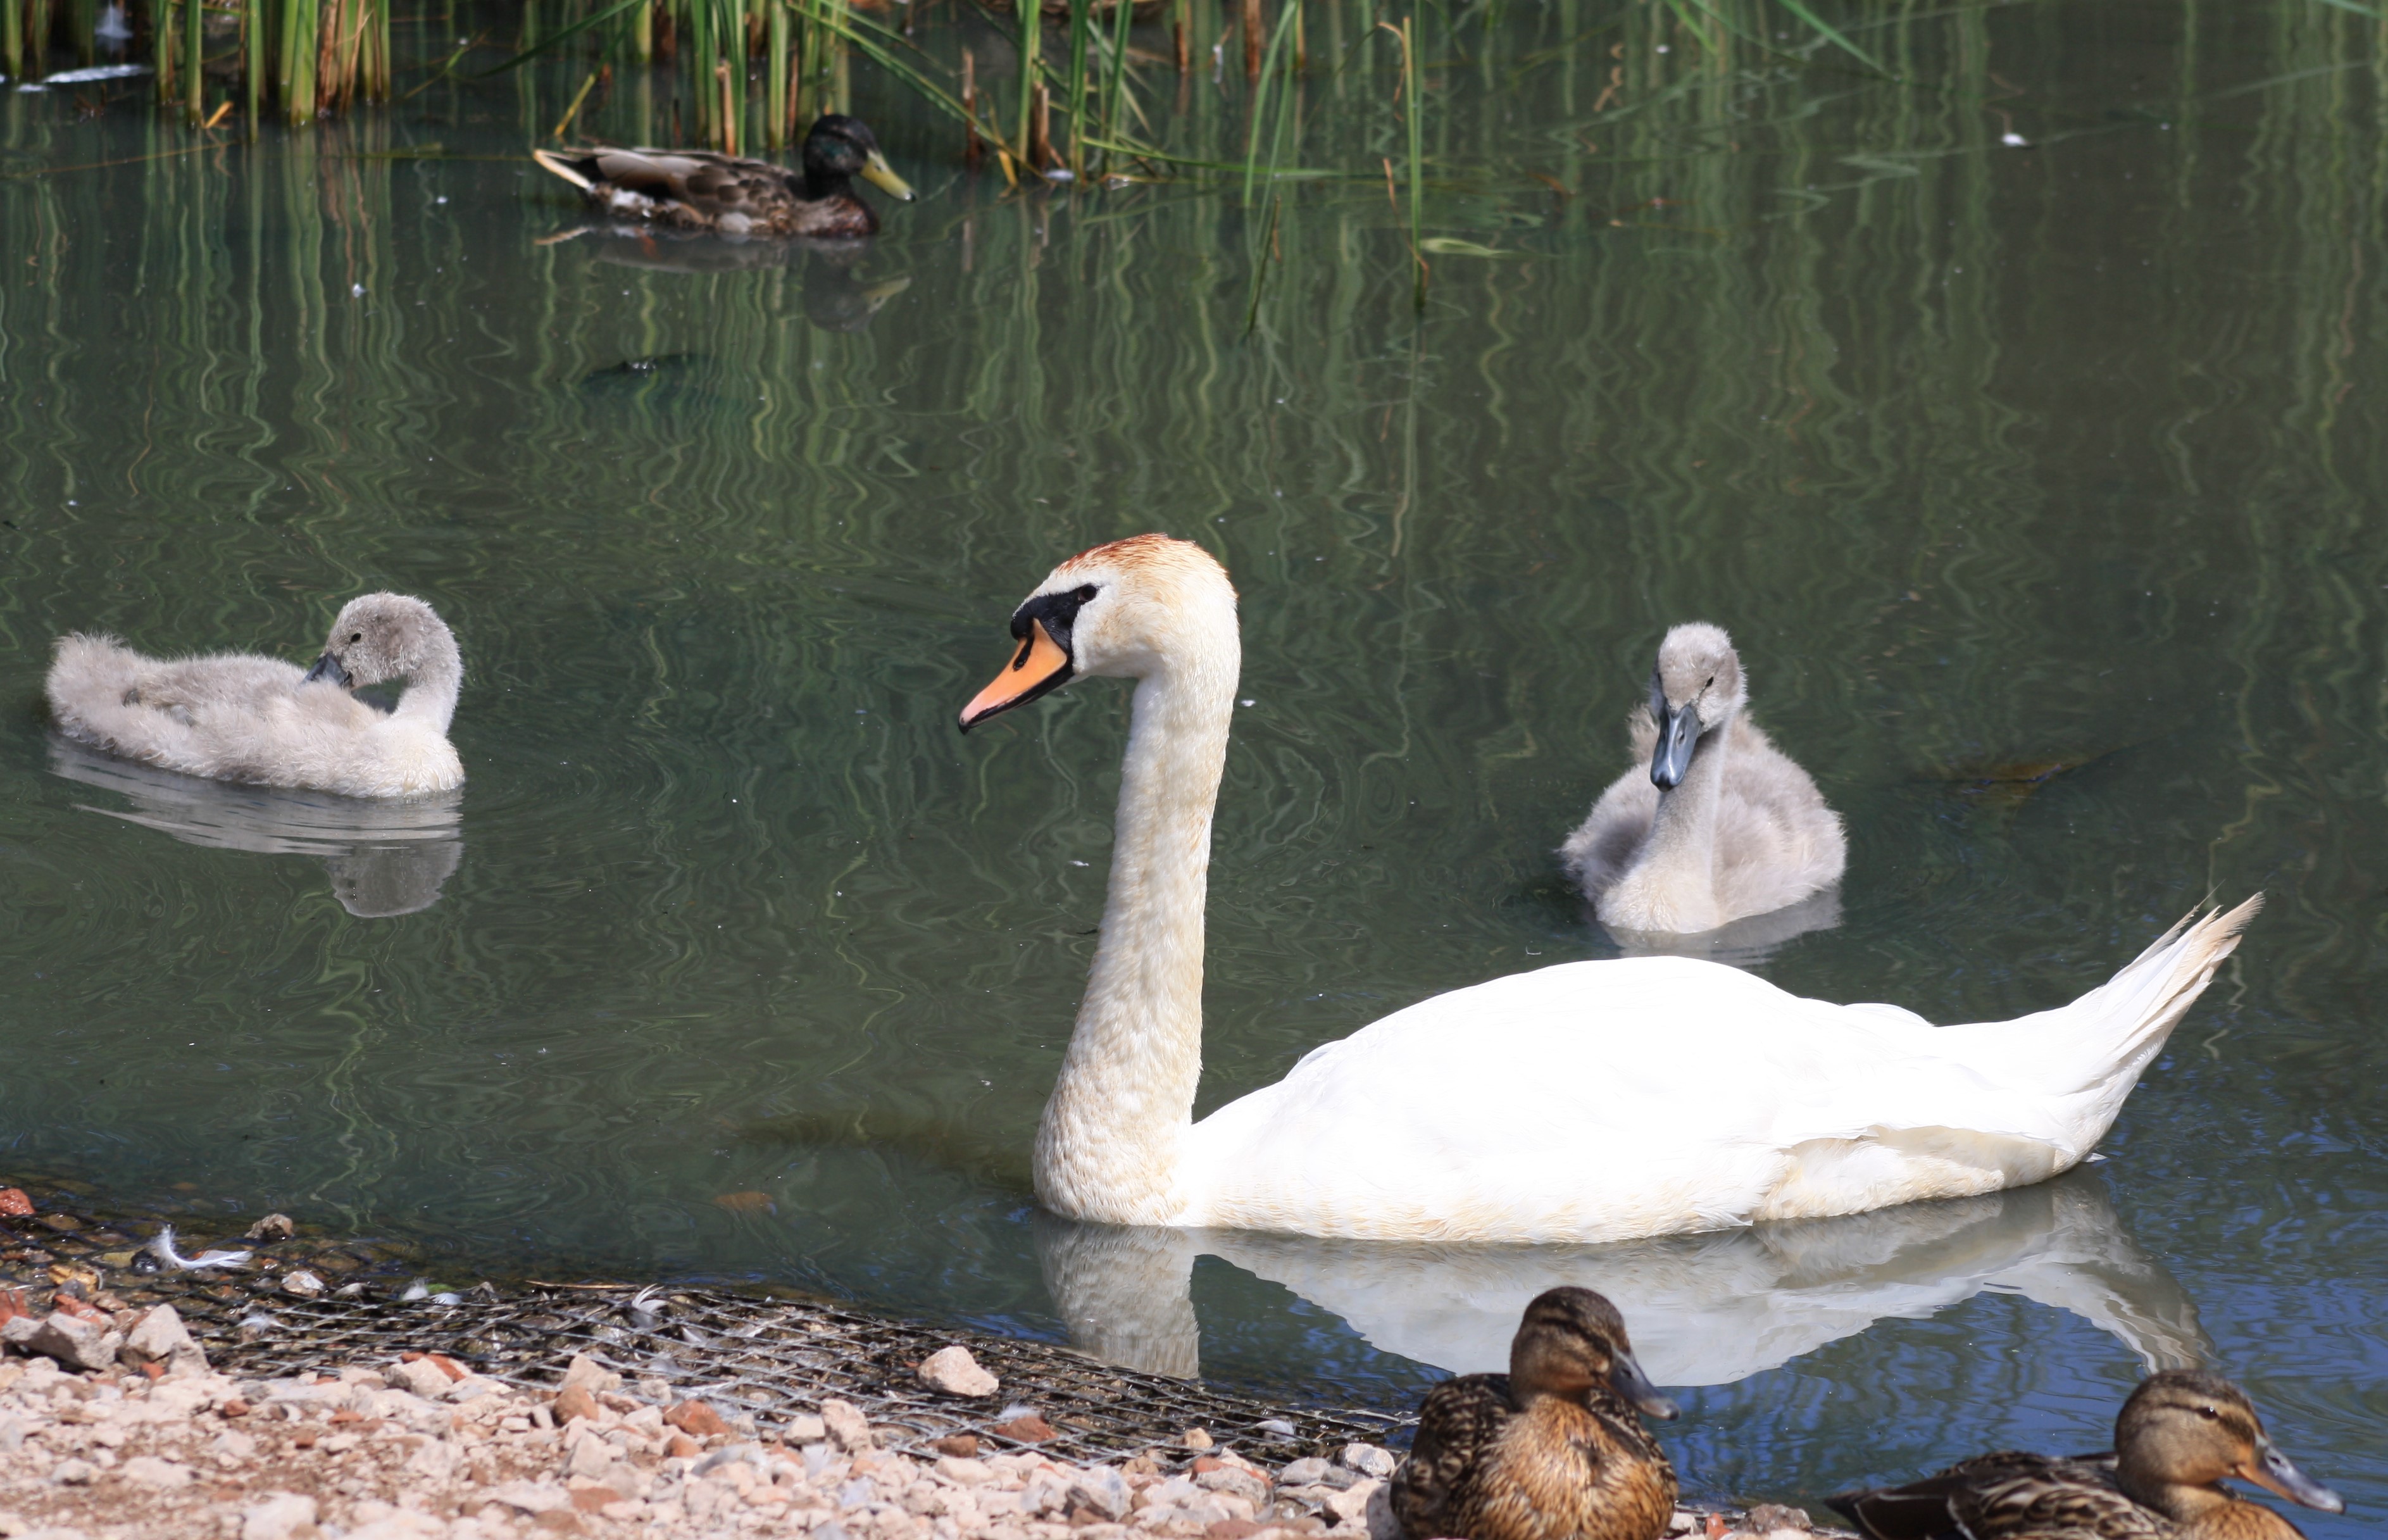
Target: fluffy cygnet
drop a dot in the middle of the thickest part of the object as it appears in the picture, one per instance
(240, 716)
(1713, 822)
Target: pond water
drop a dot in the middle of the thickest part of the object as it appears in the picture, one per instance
(2021, 415)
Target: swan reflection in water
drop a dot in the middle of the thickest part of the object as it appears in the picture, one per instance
(1704, 1309)
(385, 858)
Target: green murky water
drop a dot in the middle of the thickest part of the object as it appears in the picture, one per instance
(2058, 459)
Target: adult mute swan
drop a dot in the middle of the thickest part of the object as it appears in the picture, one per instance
(240, 716)
(1713, 823)
(1587, 1101)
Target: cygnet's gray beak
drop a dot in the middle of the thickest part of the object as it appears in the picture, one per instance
(1679, 733)
(327, 666)
(1632, 1384)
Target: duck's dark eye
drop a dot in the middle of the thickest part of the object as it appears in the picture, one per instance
(1085, 593)
(2209, 1414)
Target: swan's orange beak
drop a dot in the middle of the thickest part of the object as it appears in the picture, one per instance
(1039, 666)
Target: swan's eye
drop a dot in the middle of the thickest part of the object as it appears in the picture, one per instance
(357, 638)
(1085, 593)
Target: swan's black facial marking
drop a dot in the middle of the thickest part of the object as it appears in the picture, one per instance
(1046, 661)
(1060, 614)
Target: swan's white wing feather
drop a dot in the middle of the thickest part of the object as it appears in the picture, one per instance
(1595, 1101)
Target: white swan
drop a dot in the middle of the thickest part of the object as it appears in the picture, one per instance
(1713, 823)
(240, 716)
(1588, 1101)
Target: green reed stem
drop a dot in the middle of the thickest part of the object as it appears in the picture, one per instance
(1031, 14)
(1073, 94)
(194, 105)
(1115, 87)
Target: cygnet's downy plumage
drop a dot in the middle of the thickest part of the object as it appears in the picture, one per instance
(1713, 823)
(240, 716)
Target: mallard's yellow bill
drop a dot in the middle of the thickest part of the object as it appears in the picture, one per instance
(880, 175)
(1039, 666)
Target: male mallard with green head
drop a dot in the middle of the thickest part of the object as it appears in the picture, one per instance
(693, 189)
(2178, 1435)
(1551, 1450)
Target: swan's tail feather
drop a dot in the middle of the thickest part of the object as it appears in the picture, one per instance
(2086, 1057)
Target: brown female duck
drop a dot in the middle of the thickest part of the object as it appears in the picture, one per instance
(690, 189)
(1551, 1450)
(2178, 1435)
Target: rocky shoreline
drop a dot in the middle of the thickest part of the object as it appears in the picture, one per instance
(291, 1387)
(156, 1444)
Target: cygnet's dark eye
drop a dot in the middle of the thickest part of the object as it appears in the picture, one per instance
(1085, 591)
(357, 638)
(1711, 680)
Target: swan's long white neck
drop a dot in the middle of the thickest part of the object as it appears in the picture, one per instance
(1112, 1139)
(1683, 831)
(432, 689)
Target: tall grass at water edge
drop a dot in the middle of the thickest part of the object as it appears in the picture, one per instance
(740, 74)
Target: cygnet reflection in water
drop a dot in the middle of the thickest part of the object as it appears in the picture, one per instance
(1706, 1309)
(1743, 943)
(385, 858)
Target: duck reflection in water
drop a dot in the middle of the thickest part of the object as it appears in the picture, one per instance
(385, 858)
(1706, 1309)
(835, 298)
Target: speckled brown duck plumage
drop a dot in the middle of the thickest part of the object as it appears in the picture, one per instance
(690, 189)
(1551, 1450)
(2178, 1435)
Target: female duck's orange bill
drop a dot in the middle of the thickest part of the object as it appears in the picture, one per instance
(1040, 666)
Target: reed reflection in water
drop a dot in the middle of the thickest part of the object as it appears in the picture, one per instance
(2051, 468)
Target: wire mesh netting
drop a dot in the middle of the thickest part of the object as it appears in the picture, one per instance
(774, 1360)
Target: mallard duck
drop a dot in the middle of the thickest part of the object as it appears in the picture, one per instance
(694, 189)
(240, 716)
(2178, 1435)
(1713, 823)
(1545, 1106)
(1551, 1450)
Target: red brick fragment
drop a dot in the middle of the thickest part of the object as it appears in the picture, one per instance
(14, 1204)
(696, 1420)
(1029, 1429)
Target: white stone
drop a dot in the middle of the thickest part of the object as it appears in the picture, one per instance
(590, 1458)
(805, 1428)
(1104, 1490)
(472, 1387)
(964, 1473)
(423, 1377)
(149, 1470)
(74, 1472)
(284, 1516)
(587, 1373)
(159, 1337)
(848, 1429)
(72, 1341)
(529, 1496)
(1350, 1505)
(1368, 1460)
(951, 1371)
